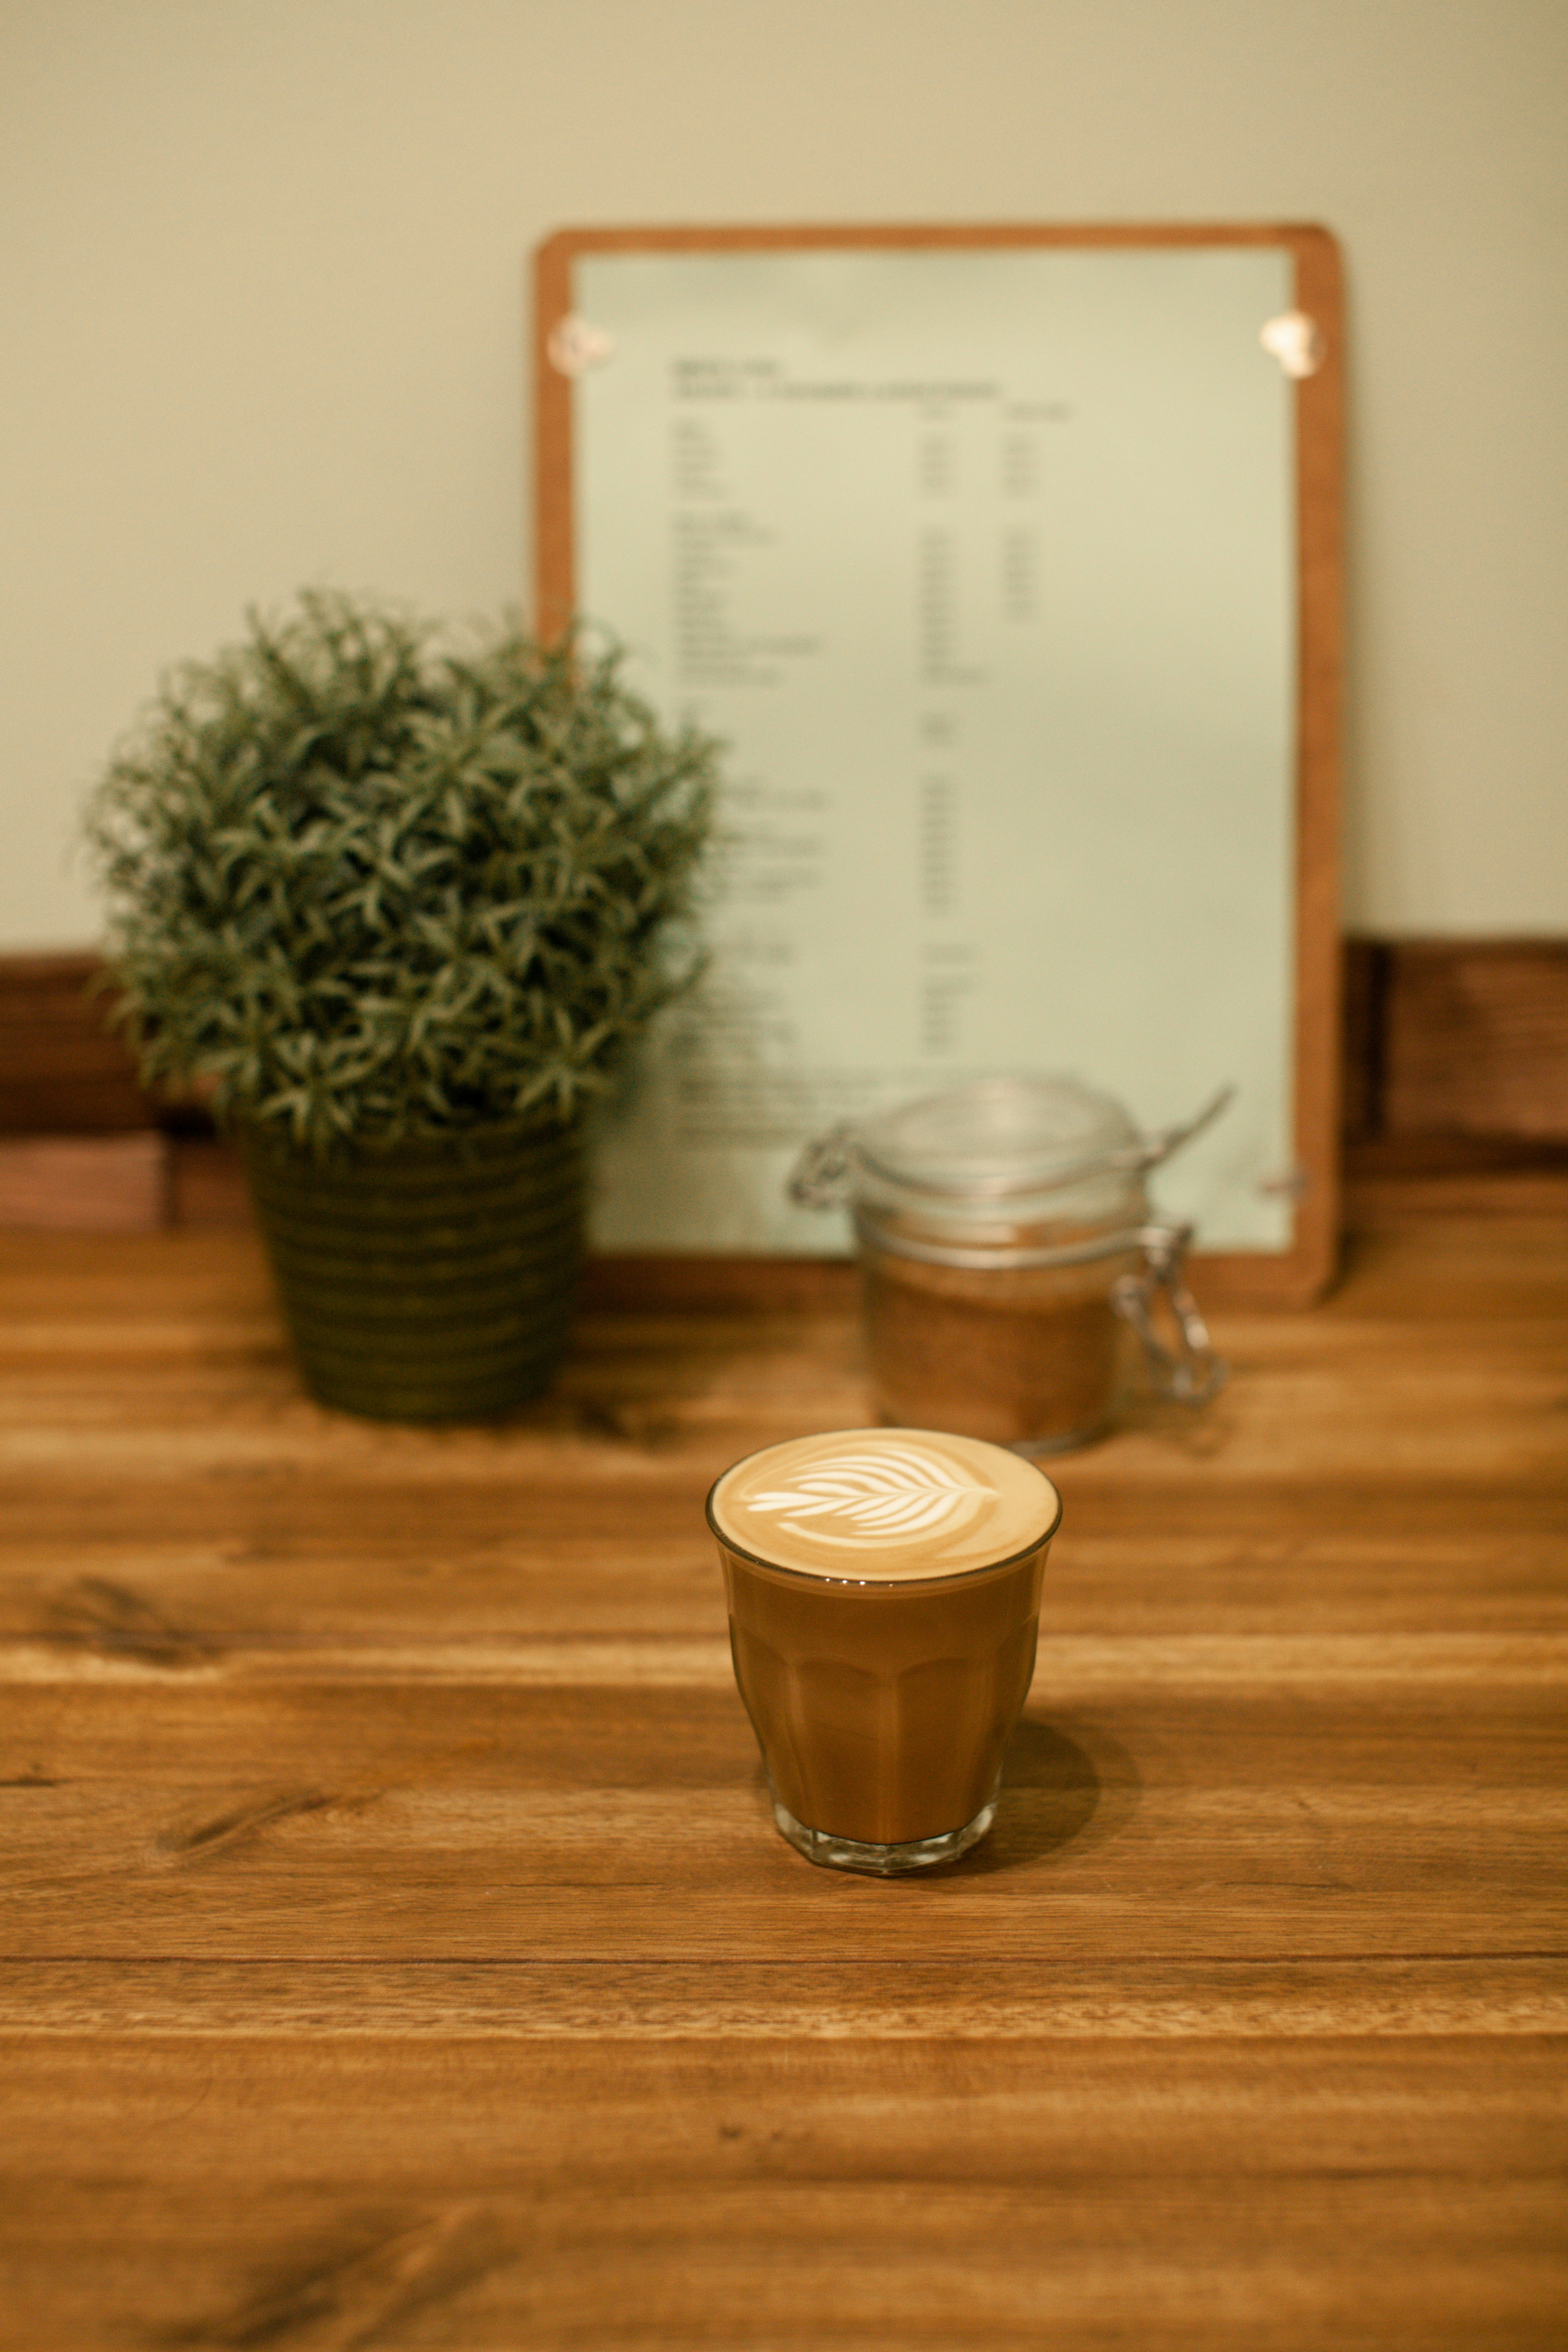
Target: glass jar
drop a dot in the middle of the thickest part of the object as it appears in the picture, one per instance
(1007, 1250)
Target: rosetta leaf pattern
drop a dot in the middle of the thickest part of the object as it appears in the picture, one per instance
(886, 1496)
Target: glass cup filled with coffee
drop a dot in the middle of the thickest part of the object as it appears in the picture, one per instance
(884, 1591)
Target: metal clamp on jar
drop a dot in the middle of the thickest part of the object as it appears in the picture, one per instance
(1006, 1242)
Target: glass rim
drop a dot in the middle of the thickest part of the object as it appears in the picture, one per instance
(876, 1583)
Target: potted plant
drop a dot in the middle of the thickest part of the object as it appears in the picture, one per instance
(399, 910)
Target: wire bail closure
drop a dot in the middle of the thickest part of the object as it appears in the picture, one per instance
(1191, 1371)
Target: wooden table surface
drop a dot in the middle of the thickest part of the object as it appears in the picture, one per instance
(398, 1951)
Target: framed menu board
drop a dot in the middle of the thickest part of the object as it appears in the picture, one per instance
(1006, 565)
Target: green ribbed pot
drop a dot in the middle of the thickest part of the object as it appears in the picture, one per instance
(426, 1281)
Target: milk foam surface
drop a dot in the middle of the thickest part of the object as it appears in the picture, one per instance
(884, 1505)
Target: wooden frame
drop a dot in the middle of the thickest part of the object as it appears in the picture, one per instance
(1287, 1279)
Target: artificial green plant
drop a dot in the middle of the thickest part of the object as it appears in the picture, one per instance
(363, 887)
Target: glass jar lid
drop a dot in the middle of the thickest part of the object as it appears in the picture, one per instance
(1003, 1139)
(1012, 1150)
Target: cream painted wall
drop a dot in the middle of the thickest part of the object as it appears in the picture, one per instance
(261, 288)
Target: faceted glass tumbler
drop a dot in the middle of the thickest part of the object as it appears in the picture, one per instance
(882, 1708)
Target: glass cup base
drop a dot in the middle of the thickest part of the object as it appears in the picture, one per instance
(882, 1861)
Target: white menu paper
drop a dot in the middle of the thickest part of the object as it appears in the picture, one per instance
(982, 562)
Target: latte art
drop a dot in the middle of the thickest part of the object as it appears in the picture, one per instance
(882, 1497)
(871, 1505)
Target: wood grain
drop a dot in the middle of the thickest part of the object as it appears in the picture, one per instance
(1477, 1038)
(85, 1183)
(62, 1068)
(397, 1949)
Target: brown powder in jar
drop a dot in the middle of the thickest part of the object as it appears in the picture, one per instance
(1010, 1353)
